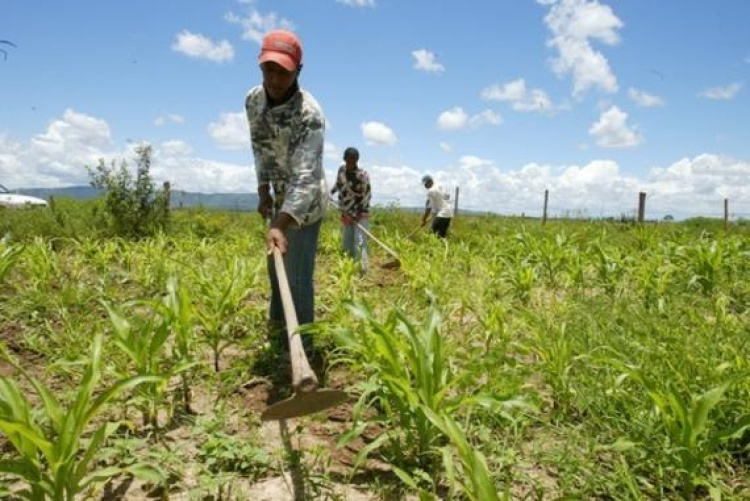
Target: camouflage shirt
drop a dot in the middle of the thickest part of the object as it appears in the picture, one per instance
(354, 190)
(288, 149)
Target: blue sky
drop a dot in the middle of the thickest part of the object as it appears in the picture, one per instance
(594, 100)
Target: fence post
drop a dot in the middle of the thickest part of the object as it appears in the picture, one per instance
(455, 204)
(544, 212)
(726, 214)
(641, 206)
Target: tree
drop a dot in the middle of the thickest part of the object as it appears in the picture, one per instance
(135, 208)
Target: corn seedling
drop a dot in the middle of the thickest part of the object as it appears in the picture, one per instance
(54, 459)
(690, 438)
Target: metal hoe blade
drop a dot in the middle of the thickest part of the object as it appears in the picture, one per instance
(307, 399)
(302, 404)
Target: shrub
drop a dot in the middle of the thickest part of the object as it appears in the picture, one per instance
(134, 207)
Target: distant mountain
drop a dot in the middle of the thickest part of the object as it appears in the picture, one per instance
(226, 201)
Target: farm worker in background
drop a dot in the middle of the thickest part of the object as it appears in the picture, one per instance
(353, 187)
(286, 129)
(439, 206)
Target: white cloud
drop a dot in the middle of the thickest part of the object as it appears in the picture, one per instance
(59, 155)
(256, 24)
(378, 134)
(231, 131)
(331, 151)
(642, 98)
(521, 98)
(446, 147)
(172, 118)
(456, 118)
(200, 47)
(722, 93)
(574, 25)
(486, 117)
(688, 187)
(425, 61)
(358, 3)
(453, 119)
(175, 148)
(612, 130)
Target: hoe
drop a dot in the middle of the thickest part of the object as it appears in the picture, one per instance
(396, 263)
(307, 398)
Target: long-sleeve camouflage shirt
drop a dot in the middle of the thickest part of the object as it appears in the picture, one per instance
(288, 150)
(354, 191)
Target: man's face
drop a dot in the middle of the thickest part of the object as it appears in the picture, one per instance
(428, 184)
(276, 79)
(351, 161)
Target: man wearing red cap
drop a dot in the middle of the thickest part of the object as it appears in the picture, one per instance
(287, 128)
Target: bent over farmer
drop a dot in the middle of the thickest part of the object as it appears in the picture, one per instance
(439, 206)
(287, 132)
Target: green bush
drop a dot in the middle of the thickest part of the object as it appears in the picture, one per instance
(134, 207)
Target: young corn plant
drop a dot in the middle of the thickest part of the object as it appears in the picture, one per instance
(610, 268)
(410, 375)
(53, 458)
(221, 304)
(407, 368)
(144, 342)
(691, 440)
(8, 258)
(177, 312)
(706, 261)
(522, 277)
(472, 479)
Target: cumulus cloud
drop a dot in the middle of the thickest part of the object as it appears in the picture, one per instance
(456, 118)
(723, 93)
(612, 130)
(201, 47)
(358, 3)
(175, 148)
(256, 24)
(644, 99)
(58, 157)
(453, 119)
(574, 24)
(520, 98)
(331, 151)
(169, 118)
(378, 134)
(424, 60)
(486, 117)
(230, 132)
(446, 147)
(688, 187)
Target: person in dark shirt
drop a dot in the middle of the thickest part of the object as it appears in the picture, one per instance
(353, 187)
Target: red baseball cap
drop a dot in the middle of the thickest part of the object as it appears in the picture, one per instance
(282, 47)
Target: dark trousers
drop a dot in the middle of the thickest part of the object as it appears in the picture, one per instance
(299, 263)
(440, 226)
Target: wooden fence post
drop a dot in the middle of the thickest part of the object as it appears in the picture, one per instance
(726, 214)
(455, 204)
(641, 206)
(544, 212)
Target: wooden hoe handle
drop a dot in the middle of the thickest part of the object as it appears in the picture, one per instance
(303, 377)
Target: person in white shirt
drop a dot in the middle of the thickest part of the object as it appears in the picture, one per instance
(439, 206)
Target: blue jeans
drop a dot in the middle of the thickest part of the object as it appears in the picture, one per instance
(299, 263)
(355, 243)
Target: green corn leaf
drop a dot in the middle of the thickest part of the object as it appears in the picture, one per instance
(702, 407)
